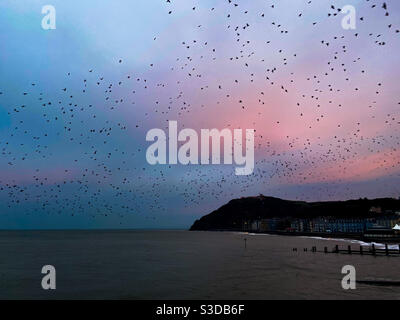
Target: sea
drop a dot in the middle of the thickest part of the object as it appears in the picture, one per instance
(169, 264)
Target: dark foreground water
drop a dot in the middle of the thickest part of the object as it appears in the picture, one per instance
(183, 265)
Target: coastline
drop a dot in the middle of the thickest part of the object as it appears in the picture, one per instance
(342, 236)
(349, 236)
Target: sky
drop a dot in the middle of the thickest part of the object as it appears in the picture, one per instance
(77, 101)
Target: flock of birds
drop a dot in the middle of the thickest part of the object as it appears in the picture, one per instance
(81, 149)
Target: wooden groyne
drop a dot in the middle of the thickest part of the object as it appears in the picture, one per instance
(362, 250)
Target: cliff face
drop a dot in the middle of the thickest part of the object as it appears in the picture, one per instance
(232, 215)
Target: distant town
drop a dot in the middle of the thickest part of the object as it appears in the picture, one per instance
(381, 225)
(364, 219)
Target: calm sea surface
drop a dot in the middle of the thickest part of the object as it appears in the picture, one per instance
(183, 265)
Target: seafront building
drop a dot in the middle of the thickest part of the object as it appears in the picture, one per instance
(324, 224)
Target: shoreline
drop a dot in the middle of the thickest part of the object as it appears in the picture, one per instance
(342, 236)
(349, 236)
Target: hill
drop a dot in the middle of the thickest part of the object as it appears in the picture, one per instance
(232, 215)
